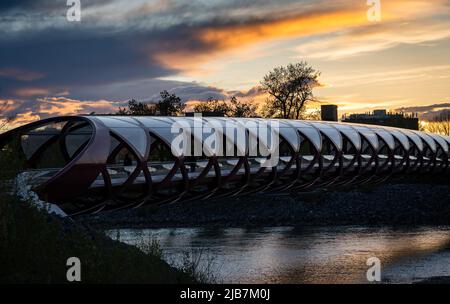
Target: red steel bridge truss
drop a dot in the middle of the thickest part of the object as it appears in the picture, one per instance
(88, 164)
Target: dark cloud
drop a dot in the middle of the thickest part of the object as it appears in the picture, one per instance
(429, 112)
(149, 90)
(7, 5)
(32, 6)
(101, 50)
(118, 57)
(253, 92)
(73, 59)
(198, 92)
(433, 115)
(425, 108)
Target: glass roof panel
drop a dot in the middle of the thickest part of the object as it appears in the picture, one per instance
(75, 141)
(111, 122)
(330, 132)
(368, 134)
(441, 141)
(313, 135)
(291, 137)
(151, 122)
(386, 136)
(401, 138)
(351, 134)
(136, 137)
(308, 131)
(32, 142)
(427, 139)
(414, 138)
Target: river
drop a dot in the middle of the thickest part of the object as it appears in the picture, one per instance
(302, 254)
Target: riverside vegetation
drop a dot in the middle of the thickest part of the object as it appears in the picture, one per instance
(35, 246)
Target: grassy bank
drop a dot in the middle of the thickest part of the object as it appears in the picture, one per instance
(35, 246)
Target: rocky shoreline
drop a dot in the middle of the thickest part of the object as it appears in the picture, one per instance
(394, 203)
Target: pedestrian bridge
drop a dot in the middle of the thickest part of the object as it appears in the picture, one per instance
(88, 164)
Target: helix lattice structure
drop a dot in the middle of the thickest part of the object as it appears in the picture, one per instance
(98, 163)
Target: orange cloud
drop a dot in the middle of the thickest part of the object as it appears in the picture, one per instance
(374, 38)
(6, 105)
(23, 112)
(51, 106)
(23, 118)
(241, 35)
(233, 37)
(237, 35)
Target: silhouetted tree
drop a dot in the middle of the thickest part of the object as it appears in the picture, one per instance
(242, 109)
(313, 115)
(232, 108)
(137, 108)
(220, 107)
(170, 104)
(290, 88)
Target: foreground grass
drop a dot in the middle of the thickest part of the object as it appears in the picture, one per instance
(35, 246)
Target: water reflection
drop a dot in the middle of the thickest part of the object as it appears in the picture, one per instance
(306, 254)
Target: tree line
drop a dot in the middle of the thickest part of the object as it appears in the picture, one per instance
(168, 105)
(439, 124)
(289, 89)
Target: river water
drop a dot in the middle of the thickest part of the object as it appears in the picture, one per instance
(302, 254)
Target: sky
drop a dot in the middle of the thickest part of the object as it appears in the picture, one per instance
(123, 49)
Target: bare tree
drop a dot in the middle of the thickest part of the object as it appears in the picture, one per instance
(290, 88)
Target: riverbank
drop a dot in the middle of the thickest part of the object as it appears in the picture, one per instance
(393, 203)
(35, 246)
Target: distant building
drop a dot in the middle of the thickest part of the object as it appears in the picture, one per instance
(383, 118)
(329, 112)
(379, 113)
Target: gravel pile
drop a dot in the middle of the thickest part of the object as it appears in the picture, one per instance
(387, 204)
